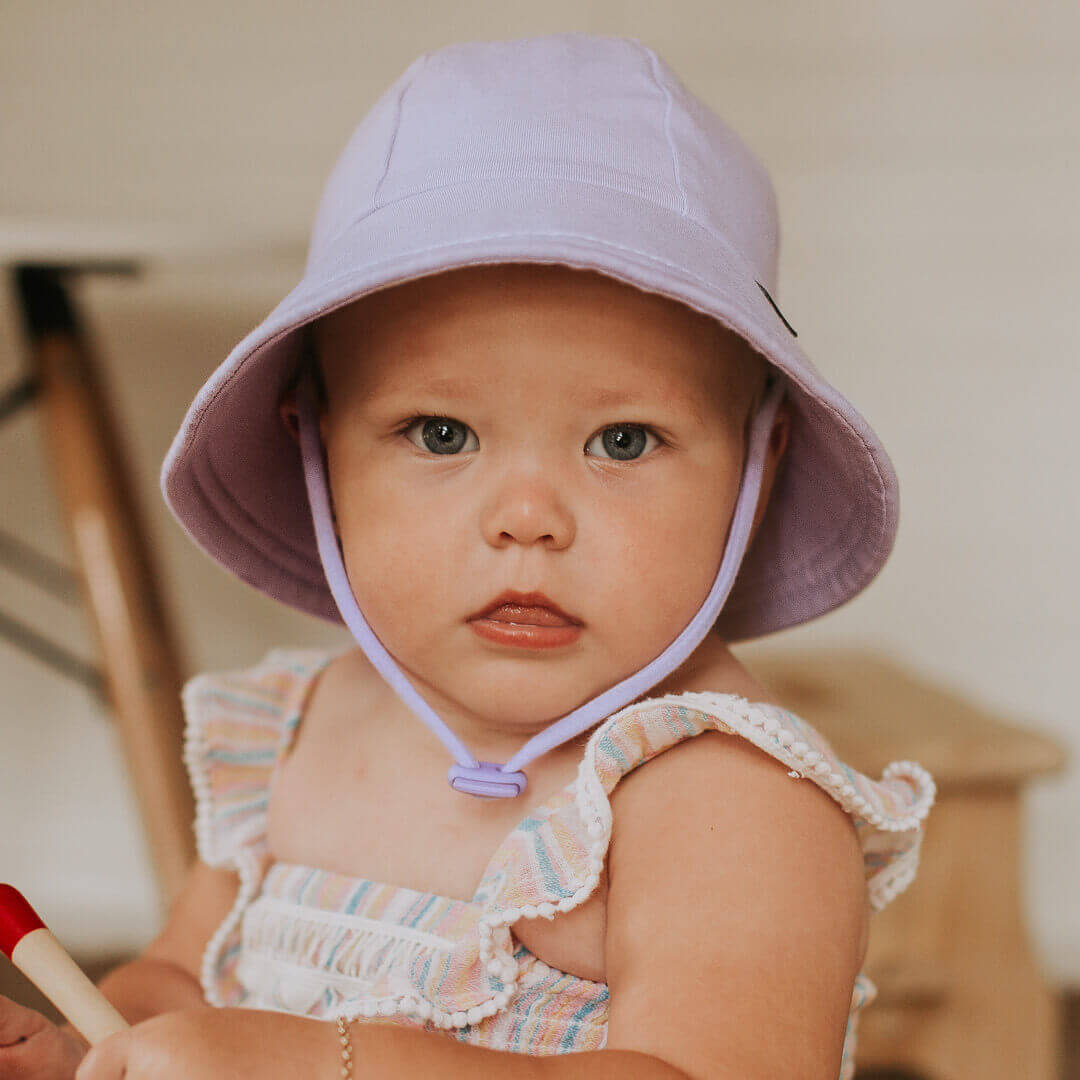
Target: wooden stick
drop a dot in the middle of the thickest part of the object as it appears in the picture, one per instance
(30, 945)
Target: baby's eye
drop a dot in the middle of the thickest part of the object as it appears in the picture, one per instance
(623, 442)
(442, 435)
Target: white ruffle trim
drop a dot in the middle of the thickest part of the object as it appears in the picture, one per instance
(765, 731)
(244, 861)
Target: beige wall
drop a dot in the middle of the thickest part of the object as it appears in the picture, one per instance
(926, 157)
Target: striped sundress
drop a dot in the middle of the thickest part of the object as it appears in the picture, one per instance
(322, 944)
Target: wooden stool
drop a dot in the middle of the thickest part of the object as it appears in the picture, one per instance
(959, 991)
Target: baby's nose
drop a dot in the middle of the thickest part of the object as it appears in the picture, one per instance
(528, 512)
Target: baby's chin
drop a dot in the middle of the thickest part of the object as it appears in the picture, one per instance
(526, 710)
(519, 700)
(511, 694)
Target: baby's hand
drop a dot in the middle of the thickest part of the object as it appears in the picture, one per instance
(209, 1043)
(33, 1047)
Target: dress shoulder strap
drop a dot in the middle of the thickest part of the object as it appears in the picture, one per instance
(888, 813)
(237, 726)
(552, 861)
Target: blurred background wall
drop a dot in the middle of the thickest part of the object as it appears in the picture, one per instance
(926, 158)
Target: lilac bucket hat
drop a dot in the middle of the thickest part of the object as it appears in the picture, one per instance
(578, 149)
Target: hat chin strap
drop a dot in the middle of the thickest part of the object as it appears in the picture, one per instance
(488, 779)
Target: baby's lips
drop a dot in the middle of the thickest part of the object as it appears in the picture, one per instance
(528, 616)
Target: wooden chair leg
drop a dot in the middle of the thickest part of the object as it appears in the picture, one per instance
(140, 657)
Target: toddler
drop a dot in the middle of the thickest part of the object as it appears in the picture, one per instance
(533, 428)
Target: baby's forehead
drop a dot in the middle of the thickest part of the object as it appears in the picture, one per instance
(500, 320)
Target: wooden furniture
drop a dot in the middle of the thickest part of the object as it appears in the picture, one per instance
(960, 995)
(141, 671)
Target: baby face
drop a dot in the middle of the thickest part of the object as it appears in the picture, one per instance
(533, 428)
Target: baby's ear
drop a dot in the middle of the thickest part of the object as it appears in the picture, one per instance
(290, 415)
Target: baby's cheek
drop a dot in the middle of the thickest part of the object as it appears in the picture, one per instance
(666, 565)
(406, 573)
(393, 572)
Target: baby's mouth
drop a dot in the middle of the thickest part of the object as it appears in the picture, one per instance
(526, 626)
(521, 615)
(516, 608)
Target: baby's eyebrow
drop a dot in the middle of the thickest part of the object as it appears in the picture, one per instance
(603, 398)
(454, 388)
(614, 397)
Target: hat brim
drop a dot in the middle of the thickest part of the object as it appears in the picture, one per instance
(233, 475)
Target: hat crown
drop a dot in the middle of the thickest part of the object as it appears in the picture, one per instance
(568, 108)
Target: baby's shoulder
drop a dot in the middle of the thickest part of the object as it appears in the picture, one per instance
(726, 766)
(726, 699)
(741, 757)
(687, 732)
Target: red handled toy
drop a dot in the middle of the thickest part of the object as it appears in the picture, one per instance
(42, 959)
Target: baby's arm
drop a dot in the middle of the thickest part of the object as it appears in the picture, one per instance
(737, 915)
(166, 975)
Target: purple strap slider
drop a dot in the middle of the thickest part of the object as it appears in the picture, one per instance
(488, 779)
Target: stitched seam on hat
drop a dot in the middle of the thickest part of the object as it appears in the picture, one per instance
(397, 128)
(774, 339)
(390, 148)
(667, 126)
(415, 193)
(719, 238)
